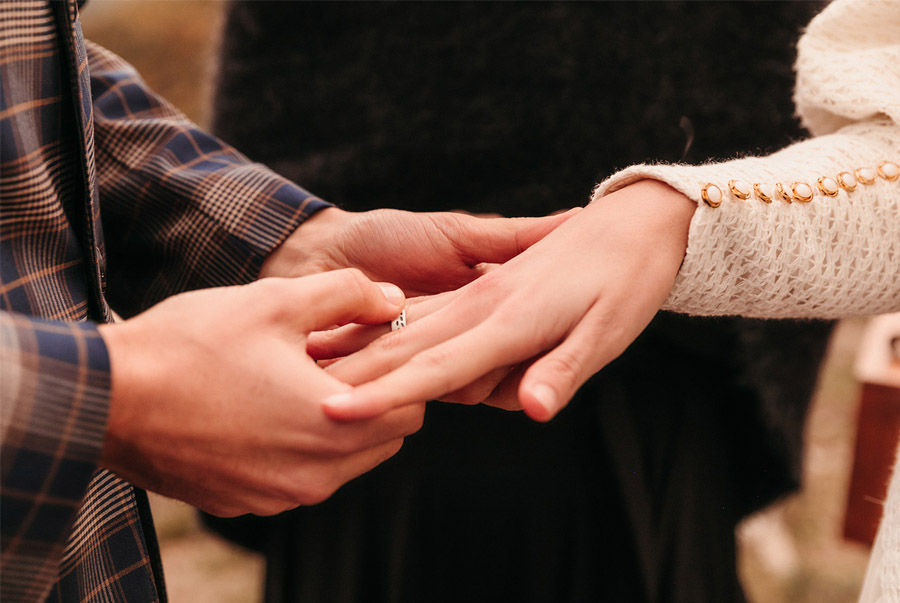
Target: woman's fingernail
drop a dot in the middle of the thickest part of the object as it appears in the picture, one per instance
(392, 293)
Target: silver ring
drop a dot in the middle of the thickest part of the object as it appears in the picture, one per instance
(399, 322)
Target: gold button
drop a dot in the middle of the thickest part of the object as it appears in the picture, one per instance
(828, 186)
(762, 196)
(711, 194)
(802, 192)
(739, 189)
(765, 198)
(866, 175)
(847, 181)
(888, 170)
(779, 192)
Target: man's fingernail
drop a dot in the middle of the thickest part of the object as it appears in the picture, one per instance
(545, 396)
(392, 293)
(338, 400)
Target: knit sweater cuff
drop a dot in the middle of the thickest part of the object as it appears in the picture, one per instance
(819, 255)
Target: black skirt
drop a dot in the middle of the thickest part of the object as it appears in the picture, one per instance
(633, 492)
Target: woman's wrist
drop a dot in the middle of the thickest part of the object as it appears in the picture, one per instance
(654, 216)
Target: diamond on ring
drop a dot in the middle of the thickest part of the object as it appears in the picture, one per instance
(399, 322)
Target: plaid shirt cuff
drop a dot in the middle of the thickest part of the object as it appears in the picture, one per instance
(55, 400)
(181, 209)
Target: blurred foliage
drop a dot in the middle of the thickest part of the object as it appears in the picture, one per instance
(172, 43)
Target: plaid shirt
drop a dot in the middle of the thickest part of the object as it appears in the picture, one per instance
(80, 132)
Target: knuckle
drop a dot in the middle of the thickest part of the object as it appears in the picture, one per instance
(219, 509)
(354, 281)
(324, 341)
(414, 419)
(388, 342)
(392, 448)
(434, 363)
(566, 365)
(270, 298)
(469, 395)
(243, 504)
(479, 392)
(546, 332)
(504, 403)
(433, 360)
(268, 289)
(316, 491)
(269, 507)
(346, 445)
(337, 445)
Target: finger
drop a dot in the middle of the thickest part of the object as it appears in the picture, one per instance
(506, 394)
(320, 479)
(338, 297)
(496, 240)
(309, 482)
(433, 372)
(306, 429)
(346, 437)
(336, 343)
(466, 212)
(392, 349)
(343, 341)
(549, 384)
(480, 389)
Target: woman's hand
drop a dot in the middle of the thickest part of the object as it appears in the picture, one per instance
(541, 324)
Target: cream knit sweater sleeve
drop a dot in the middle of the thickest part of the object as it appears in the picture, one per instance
(813, 230)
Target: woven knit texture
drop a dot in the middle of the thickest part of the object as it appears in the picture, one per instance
(848, 65)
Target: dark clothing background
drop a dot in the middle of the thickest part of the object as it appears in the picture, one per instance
(633, 492)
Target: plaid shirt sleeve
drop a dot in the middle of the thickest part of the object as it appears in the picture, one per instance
(54, 381)
(181, 209)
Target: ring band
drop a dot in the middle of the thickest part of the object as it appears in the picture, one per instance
(400, 321)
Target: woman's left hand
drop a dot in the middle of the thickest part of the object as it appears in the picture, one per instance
(539, 326)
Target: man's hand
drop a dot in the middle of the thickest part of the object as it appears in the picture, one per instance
(420, 252)
(215, 401)
(539, 325)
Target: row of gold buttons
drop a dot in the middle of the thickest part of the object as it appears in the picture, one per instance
(801, 192)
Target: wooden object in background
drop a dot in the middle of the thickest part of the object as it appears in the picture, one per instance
(878, 427)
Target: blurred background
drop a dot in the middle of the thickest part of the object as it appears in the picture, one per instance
(793, 552)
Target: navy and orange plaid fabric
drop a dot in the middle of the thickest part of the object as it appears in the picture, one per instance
(108, 197)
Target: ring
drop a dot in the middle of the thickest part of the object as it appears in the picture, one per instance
(399, 322)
